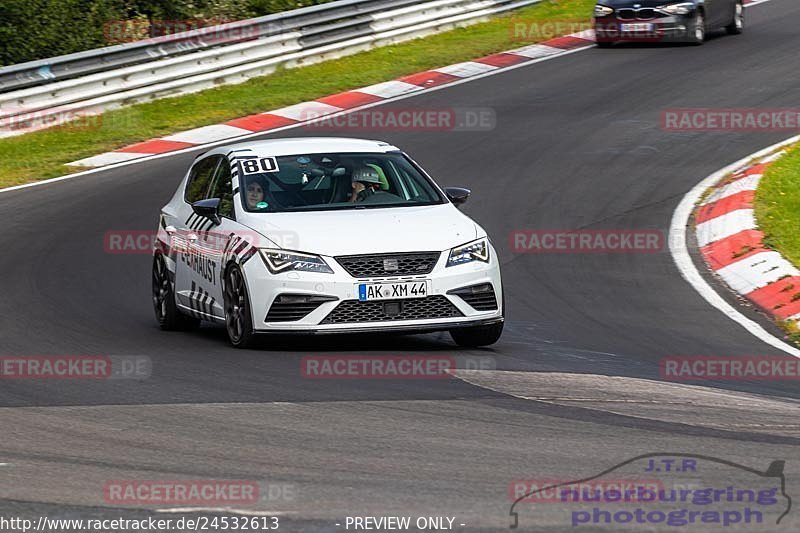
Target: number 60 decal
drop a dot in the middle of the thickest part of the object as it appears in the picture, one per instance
(256, 166)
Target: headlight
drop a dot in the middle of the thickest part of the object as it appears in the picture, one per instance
(278, 261)
(472, 251)
(602, 11)
(678, 9)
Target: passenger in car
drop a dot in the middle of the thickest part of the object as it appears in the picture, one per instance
(256, 188)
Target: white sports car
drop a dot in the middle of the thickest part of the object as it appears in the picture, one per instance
(322, 235)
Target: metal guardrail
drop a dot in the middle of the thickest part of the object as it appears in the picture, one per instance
(93, 81)
(64, 67)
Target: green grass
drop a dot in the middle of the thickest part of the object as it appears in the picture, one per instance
(43, 154)
(777, 205)
(777, 210)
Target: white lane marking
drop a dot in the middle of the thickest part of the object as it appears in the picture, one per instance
(680, 252)
(207, 134)
(725, 225)
(748, 183)
(756, 271)
(305, 110)
(774, 157)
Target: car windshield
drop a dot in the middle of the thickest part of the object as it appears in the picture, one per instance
(308, 182)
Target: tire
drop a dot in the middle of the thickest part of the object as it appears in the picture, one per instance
(737, 24)
(604, 44)
(167, 313)
(477, 335)
(238, 319)
(697, 32)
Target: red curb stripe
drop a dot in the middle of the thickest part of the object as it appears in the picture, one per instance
(429, 78)
(739, 246)
(503, 60)
(155, 146)
(757, 169)
(349, 99)
(567, 42)
(261, 122)
(740, 200)
(776, 298)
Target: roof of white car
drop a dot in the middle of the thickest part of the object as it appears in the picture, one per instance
(310, 145)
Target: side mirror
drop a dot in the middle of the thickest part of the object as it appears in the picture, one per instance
(457, 195)
(208, 208)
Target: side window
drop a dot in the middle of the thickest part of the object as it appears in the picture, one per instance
(406, 183)
(200, 179)
(223, 189)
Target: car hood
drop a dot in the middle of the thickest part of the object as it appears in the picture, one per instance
(365, 231)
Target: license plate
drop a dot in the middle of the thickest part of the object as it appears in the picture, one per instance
(391, 291)
(639, 26)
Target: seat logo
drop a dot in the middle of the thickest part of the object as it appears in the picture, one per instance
(390, 265)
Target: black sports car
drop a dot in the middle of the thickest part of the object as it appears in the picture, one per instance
(662, 20)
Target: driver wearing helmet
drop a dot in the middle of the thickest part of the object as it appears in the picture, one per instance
(366, 182)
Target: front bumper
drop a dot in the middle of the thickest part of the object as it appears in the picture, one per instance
(674, 28)
(264, 288)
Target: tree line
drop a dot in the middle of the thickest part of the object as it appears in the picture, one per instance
(38, 29)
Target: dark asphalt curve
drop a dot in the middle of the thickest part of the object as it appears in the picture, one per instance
(577, 144)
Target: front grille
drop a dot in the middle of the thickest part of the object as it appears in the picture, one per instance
(292, 307)
(645, 13)
(383, 265)
(350, 311)
(626, 14)
(480, 297)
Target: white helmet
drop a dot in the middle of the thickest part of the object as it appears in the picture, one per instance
(366, 174)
